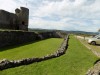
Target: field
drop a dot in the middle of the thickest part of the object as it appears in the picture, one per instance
(77, 60)
(37, 49)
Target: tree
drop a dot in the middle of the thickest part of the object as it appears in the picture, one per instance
(99, 31)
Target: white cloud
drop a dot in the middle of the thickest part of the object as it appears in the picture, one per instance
(59, 14)
(67, 8)
(8, 5)
(40, 23)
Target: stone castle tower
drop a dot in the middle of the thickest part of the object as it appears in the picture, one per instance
(17, 21)
(22, 18)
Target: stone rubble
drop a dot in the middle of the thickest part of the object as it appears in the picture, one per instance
(94, 70)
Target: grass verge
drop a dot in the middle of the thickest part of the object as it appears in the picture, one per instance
(94, 47)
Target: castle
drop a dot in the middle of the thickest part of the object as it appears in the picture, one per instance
(15, 21)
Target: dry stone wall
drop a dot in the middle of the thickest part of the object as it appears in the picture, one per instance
(95, 70)
(5, 64)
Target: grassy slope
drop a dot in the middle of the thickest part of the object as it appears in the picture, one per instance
(37, 49)
(76, 61)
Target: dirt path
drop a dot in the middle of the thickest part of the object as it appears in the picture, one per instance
(95, 49)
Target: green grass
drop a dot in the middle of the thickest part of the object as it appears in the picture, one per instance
(77, 60)
(94, 47)
(36, 49)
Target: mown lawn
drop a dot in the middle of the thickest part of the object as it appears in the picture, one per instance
(77, 60)
(36, 49)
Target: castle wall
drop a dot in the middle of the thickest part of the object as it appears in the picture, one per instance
(17, 21)
(7, 20)
(9, 38)
(23, 16)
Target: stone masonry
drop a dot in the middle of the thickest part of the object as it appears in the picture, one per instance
(14, 21)
(10, 38)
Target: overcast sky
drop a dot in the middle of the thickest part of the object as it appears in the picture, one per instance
(81, 15)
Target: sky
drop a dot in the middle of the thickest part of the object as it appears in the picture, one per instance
(82, 15)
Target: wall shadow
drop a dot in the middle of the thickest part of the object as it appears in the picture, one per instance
(15, 46)
(96, 61)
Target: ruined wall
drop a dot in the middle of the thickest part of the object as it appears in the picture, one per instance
(8, 38)
(15, 21)
(23, 16)
(7, 20)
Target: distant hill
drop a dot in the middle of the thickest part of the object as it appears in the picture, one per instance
(69, 32)
(82, 32)
(39, 30)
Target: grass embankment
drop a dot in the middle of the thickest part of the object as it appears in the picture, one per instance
(36, 49)
(77, 60)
